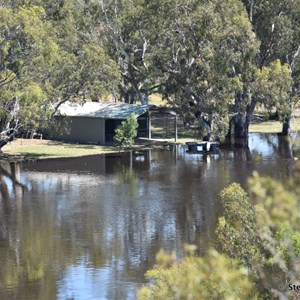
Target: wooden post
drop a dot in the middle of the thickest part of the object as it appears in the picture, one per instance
(149, 125)
(166, 123)
(130, 160)
(175, 124)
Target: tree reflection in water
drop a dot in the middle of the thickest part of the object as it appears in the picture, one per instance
(126, 175)
(104, 218)
(26, 250)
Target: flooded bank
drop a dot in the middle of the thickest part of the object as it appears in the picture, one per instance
(89, 228)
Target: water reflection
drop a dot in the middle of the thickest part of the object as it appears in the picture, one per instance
(89, 228)
(272, 146)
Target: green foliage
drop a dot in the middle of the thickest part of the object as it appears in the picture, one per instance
(276, 26)
(210, 46)
(24, 39)
(272, 87)
(212, 60)
(127, 132)
(263, 233)
(211, 277)
(127, 41)
(258, 239)
(49, 53)
(31, 105)
(288, 243)
(237, 229)
(277, 205)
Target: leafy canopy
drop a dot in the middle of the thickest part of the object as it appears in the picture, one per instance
(50, 52)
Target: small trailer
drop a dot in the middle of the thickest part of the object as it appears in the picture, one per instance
(202, 146)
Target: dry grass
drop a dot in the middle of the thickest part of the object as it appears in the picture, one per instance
(156, 99)
(273, 126)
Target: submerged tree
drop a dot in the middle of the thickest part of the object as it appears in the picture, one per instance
(206, 45)
(214, 61)
(212, 70)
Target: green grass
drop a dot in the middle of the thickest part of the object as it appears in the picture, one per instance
(36, 149)
(31, 149)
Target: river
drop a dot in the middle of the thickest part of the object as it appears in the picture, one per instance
(89, 228)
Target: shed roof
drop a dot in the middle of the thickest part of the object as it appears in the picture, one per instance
(104, 110)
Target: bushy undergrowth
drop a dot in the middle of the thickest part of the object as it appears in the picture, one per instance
(257, 249)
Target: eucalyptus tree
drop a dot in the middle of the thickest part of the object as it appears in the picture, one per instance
(276, 24)
(127, 43)
(187, 50)
(82, 69)
(24, 46)
(46, 59)
(210, 57)
(202, 46)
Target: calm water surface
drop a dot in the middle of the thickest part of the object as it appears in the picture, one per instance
(89, 228)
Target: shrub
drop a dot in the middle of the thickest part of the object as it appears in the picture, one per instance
(211, 277)
(127, 132)
(258, 239)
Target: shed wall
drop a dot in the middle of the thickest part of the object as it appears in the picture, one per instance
(84, 130)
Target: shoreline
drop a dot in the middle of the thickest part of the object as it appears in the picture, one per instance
(34, 149)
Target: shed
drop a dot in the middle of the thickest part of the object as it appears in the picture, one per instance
(95, 122)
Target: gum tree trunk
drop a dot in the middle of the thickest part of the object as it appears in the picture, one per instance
(241, 125)
(5, 141)
(242, 121)
(286, 126)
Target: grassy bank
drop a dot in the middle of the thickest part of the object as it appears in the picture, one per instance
(32, 149)
(273, 126)
(29, 149)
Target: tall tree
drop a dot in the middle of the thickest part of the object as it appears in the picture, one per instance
(83, 69)
(24, 41)
(204, 47)
(213, 68)
(276, 24)
(46, 60)
(130, 42)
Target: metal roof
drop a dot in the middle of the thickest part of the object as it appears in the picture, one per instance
(104, 110)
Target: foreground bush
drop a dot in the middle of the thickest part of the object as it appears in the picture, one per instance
(211, 277)
(258, 242)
